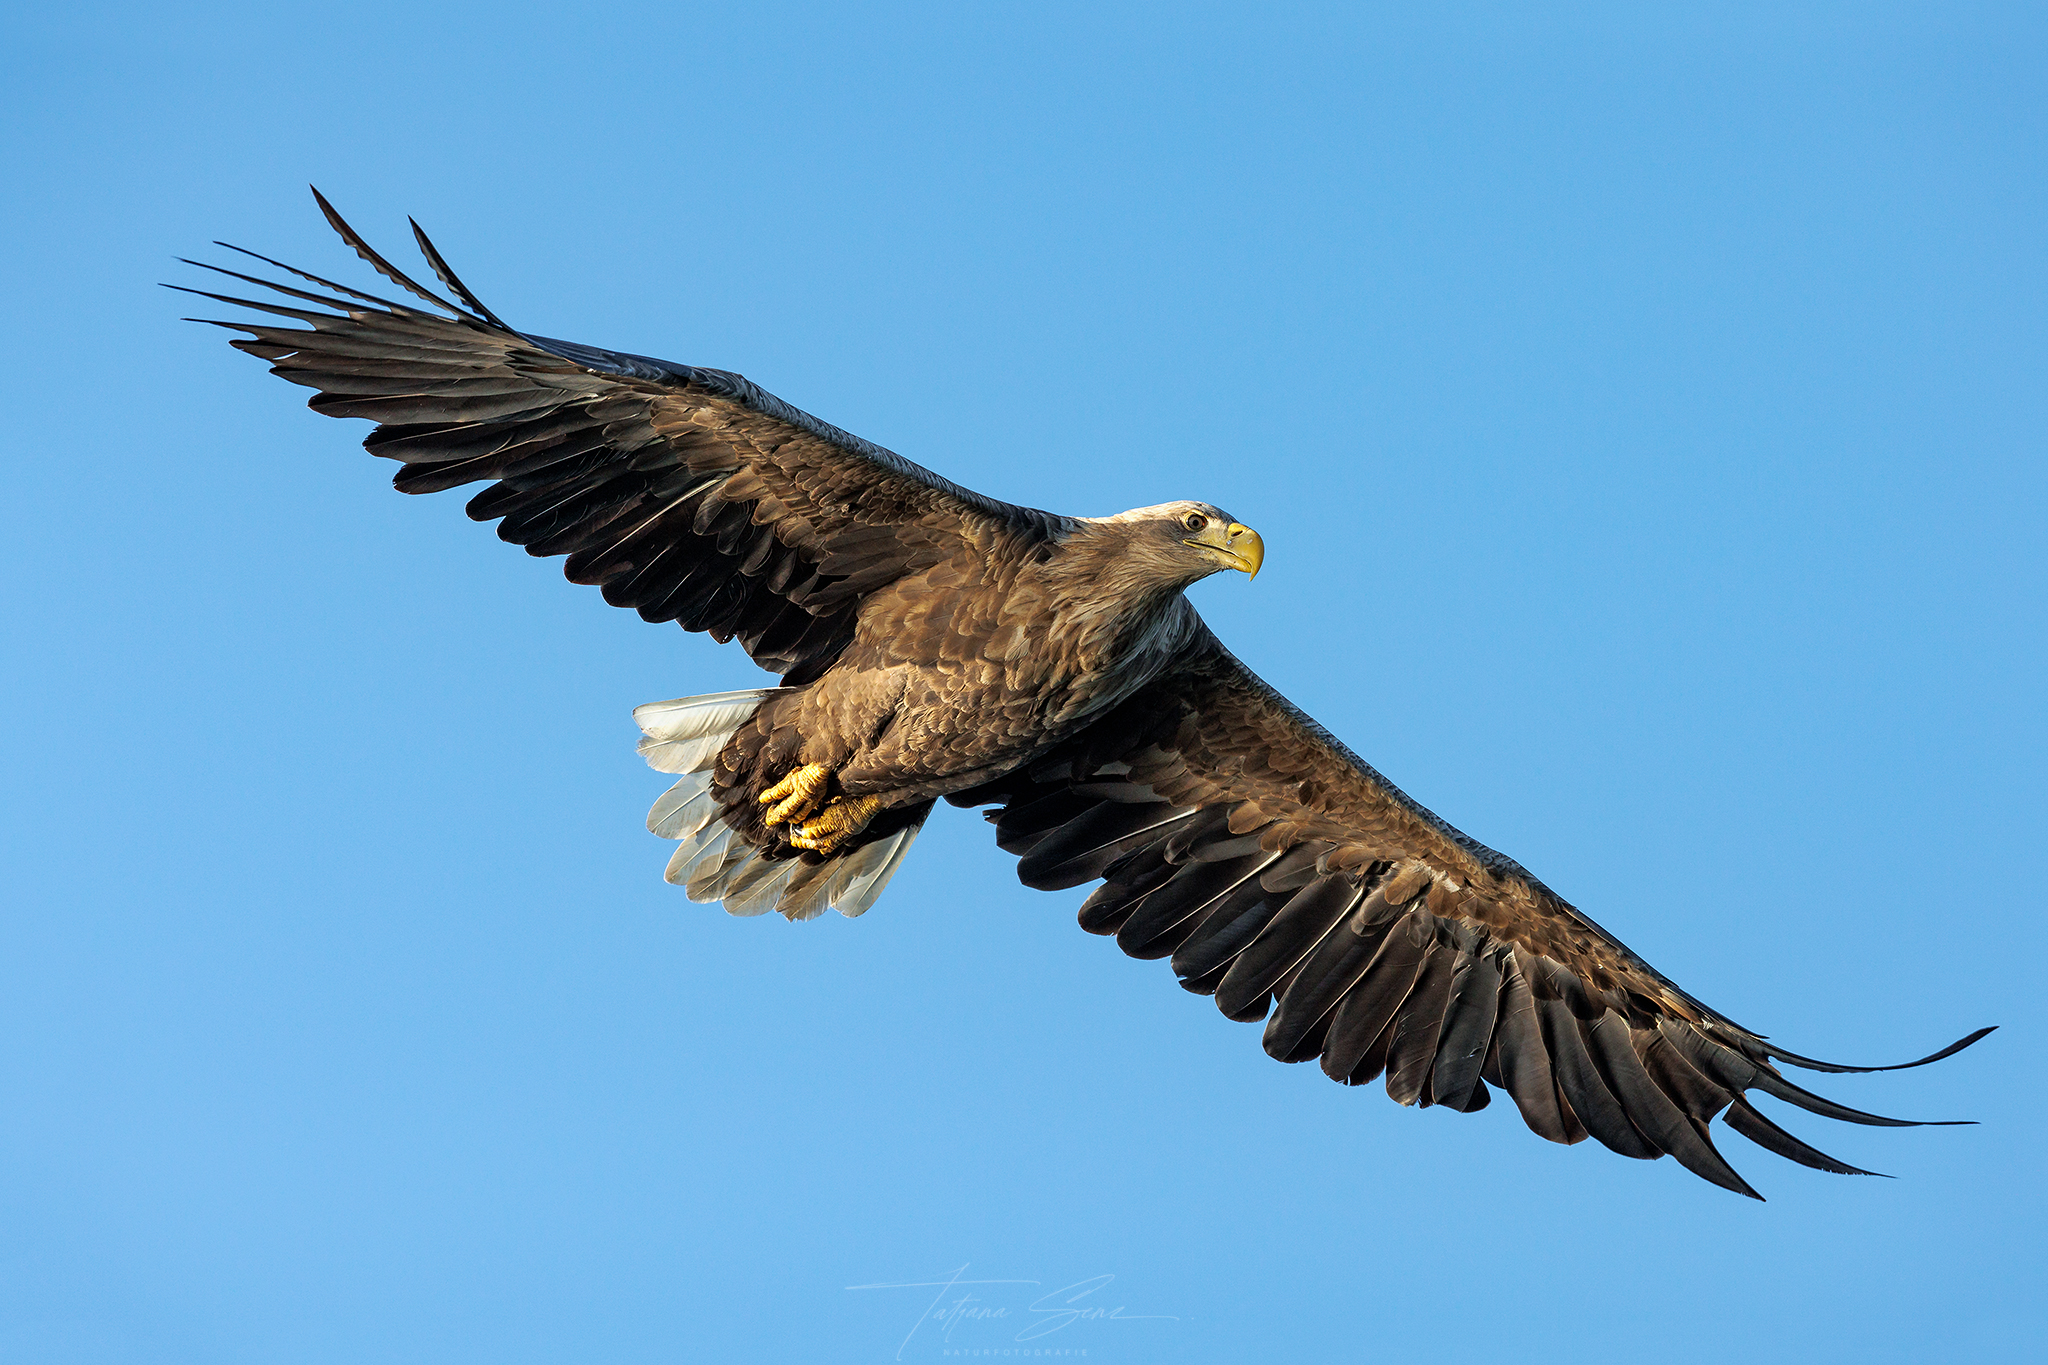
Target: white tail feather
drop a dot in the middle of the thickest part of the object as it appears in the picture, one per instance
(808, 894)
(868, 870)
(755, 886)
(711, 863)
(685, 735)
(710, 873)
(707, 843)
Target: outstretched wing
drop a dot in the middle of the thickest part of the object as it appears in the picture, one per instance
(1285, 877)
(687, 494)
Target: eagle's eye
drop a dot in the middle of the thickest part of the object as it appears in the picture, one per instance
(1194, 521)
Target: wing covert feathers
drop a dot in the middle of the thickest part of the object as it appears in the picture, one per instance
(1287, 879)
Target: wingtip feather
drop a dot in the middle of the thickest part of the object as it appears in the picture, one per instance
(383, 267)
(1810, 1064)
(447, 275)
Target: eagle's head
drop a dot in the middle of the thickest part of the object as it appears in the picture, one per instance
(1180, 542)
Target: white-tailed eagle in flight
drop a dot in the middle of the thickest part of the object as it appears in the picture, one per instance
(931, 642)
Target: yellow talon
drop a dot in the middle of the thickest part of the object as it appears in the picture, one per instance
(796, 795)
(838, 822)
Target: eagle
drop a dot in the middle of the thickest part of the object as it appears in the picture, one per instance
(930, 642)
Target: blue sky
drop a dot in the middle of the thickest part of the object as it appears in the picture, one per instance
(1644, 417)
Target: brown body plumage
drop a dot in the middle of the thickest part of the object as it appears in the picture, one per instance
(958, 673)
(934, 643)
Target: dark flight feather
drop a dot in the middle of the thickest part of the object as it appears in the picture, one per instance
(1418, 1024)
(1469, 1019)
(1366, 1014)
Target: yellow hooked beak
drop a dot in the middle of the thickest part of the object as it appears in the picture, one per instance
(1235, 546)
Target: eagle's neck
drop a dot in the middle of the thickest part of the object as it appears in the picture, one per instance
(1113, 606)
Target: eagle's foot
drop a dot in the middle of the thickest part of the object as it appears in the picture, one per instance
(843, 818)
(798, 795)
